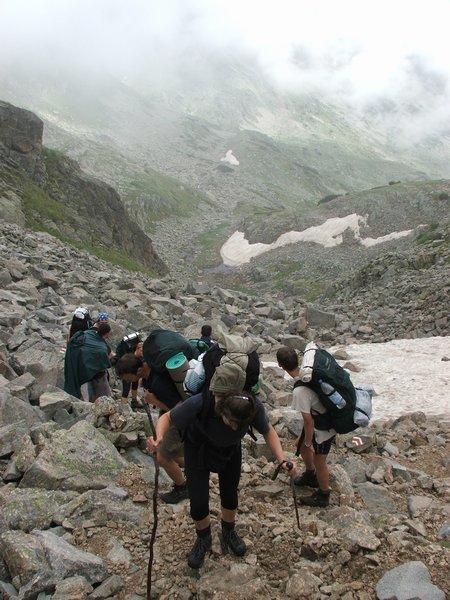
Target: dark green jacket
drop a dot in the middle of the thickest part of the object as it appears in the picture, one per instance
(86, 355)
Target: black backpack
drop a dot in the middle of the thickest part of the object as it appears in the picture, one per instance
(327, 370)
(163, 344)
(81, 321)
(128, 344)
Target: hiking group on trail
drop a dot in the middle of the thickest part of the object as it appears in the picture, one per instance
(201, 427)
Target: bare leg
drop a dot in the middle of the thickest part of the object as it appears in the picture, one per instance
(171, 467)
(308, 458)
(228, 515)
(322, 473)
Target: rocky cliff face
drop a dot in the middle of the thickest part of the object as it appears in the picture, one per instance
(48, 191)
(20, 135)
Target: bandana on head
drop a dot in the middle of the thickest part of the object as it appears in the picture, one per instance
(103, 316)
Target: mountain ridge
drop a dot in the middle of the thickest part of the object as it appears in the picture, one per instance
(47, 190)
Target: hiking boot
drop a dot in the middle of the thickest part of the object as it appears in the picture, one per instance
(306, 479)
(230, 539)
(197, 555)
(176, 494)
(319, 498)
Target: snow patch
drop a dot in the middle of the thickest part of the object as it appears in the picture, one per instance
(237, 250)
(408, 375)
(230, 158)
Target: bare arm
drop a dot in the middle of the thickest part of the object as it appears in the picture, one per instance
(153, 400)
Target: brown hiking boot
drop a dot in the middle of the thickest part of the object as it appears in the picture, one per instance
(176, 494)
(318, 498)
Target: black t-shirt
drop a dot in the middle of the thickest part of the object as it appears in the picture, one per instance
(163, 387)
(187, 414)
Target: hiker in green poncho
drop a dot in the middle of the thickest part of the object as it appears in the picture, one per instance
(87, 358)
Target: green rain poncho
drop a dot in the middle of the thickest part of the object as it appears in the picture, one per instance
(86, 355)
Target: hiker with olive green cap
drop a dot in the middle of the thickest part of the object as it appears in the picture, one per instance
(215, 421)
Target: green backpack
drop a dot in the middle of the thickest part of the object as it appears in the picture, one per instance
(326, 370)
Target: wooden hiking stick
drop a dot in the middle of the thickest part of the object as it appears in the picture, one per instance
(294, 494)
(155, 504)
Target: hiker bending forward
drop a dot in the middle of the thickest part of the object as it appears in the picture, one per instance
(214, 426)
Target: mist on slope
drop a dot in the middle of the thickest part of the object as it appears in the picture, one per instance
(387, 61)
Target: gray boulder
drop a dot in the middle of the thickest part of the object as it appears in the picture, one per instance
(13, 410)
(30, 509)
(66, 560)
(78, 459)
(410, 580)
(99, 507)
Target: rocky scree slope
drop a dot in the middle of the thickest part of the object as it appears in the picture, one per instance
(46, 190)
(400, 294)
(76, 488)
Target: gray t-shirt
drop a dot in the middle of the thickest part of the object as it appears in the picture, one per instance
(304, 399)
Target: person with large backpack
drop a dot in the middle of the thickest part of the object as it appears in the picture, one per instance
(130, 343)
(214, 422)
(313, 444)
(86, 361)
(81, 321)
(160, 347)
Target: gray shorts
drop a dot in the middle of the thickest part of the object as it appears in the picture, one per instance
(100, 386)
(172, 445)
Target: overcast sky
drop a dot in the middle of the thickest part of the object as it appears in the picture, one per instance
(359, 49)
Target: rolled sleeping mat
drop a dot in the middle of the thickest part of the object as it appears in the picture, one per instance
(177, 367)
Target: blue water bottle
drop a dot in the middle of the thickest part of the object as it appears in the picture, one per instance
(332, 394)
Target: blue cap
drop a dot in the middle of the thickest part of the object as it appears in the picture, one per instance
(103, 316)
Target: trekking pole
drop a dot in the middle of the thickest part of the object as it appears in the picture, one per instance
(289, 466)
(155, 504)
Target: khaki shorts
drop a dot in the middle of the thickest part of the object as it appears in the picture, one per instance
(172, 445)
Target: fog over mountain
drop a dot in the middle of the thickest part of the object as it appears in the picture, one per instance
(387, 61)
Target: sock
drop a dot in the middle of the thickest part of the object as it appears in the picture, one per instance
(204, 532)
(227, 525)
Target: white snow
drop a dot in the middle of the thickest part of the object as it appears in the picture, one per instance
(408, 375)
(237, 250)
(230, 158)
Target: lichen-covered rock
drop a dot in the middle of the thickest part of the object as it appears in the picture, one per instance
(79, 459)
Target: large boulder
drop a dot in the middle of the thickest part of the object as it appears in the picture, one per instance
(28, 509)
(78, 459)
(20, 135)
(14, 410)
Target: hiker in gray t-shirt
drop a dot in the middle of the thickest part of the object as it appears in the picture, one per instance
(314, 444)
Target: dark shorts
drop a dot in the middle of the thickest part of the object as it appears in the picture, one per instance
(323, 448)
(100, 385)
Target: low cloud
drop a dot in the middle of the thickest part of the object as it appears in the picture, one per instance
(362, 53)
